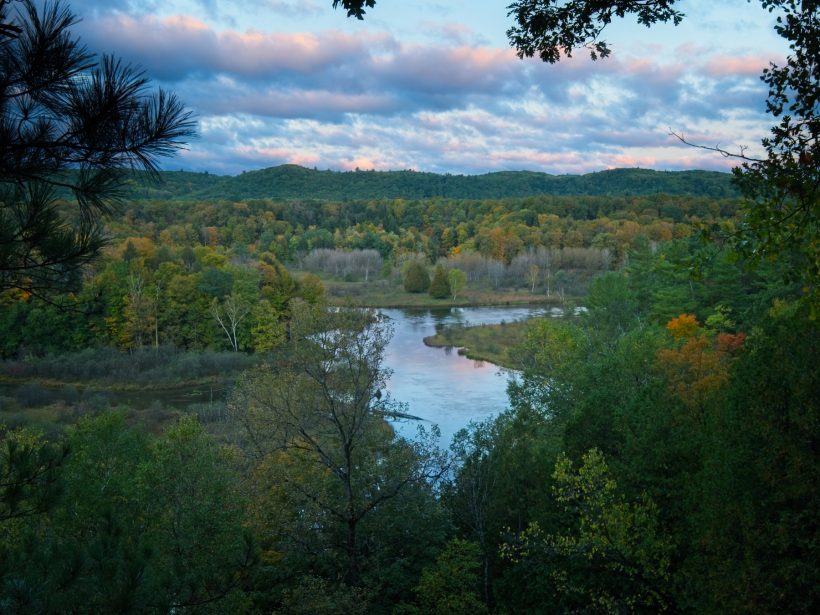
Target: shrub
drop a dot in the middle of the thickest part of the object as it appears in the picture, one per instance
(416, 279)
(440, 286)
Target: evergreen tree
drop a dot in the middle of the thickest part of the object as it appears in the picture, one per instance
(440, 286)
(416, 279)
(69, 125)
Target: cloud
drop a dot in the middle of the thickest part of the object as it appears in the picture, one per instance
(294, 8)
(369, 99)
(177, 47)
(733, 66)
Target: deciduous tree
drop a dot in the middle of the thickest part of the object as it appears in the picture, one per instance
(316, 432)
(458, 280)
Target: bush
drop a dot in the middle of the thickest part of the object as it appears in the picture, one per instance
(416, 279)
(440, 286)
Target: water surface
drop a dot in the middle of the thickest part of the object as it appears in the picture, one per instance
(438, 384)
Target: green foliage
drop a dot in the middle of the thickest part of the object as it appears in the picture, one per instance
(440, 284)
(291, 182)
(164, 366)
(29, 475)
(415, 278)
(450, 587)
(759, 505)
(311, 288)
(458, 281)
(340, 494)
(554, 29)
(140, 525)
(782, 213)
(688, 422)
(614, 559)
(192, 498)
(612, 305)
(316, 595)
(503, 467)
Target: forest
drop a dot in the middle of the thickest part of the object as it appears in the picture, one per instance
(658, 451)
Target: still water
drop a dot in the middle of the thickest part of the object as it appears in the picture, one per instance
(437, 384)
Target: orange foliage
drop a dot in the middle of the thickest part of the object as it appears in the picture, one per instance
(695, 371)
(684, 326)
(211, 236)
(700, 367)
(730, 342)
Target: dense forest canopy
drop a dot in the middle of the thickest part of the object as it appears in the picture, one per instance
(295, 182)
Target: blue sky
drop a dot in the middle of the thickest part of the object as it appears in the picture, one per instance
(433, 86)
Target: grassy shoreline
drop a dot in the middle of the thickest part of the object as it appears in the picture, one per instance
(379, 294)
(492, 343)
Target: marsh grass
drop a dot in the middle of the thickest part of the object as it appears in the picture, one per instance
(492, 343)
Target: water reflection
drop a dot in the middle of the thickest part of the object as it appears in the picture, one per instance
(437, 384)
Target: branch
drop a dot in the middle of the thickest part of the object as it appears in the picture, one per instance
(725, 153)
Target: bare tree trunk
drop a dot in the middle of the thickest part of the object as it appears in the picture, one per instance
(235, 312)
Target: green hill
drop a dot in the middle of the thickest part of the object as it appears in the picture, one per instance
(295, 182)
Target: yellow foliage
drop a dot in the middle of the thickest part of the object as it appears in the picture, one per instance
(144, 247)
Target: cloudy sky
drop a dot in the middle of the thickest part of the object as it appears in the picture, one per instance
(432, 85)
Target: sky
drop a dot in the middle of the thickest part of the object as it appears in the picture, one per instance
(432, 85)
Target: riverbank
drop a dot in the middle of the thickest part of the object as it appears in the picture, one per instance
(494, 343)
(384, 294)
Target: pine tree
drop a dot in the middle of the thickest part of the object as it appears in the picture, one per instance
(69, 125)
(416, 279)
(440, 286)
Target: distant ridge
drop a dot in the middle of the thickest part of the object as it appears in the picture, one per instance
(288, 182)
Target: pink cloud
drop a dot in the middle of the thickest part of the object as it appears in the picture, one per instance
(181, 44)
(730, 66)
(361, 163)
(627, 160)
(444, 70)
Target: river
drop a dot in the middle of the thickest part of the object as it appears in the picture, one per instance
(437, 384)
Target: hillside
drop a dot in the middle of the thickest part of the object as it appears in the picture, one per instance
(295, 182)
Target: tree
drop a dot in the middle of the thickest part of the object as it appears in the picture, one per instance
(317, 437)
(451, 586)
(70, 128)
(533, 275)
(140, 524)
(615, 558)
(229, 315)
(552, 27)
(29, 473)
(458, 280)
(440, 286)
(782, 215)
(757, 500)
(416, 279)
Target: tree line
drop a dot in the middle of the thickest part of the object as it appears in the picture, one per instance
(289, 182)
